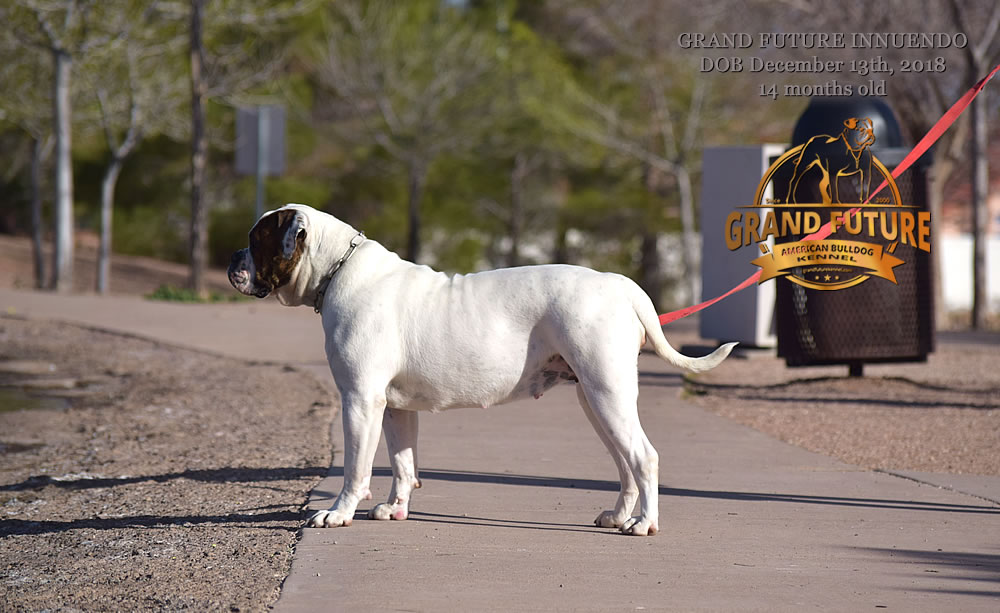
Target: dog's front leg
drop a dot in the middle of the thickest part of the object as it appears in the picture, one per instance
(400, 429)
(362, 415)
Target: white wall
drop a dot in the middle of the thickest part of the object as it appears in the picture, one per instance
(956, 271)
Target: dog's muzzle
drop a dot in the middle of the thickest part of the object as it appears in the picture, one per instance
(240, 275)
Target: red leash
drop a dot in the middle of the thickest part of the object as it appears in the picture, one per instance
(925, 143)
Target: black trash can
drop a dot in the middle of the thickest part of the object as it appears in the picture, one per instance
(876, 320)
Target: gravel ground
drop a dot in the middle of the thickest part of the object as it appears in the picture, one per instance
(173, 480)
(939, 416)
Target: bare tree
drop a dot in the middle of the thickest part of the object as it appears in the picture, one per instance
(660, 125)
(23, 103)
(528, 69)
(980, 55)
(40, 152)
(137, 94)
(120, 149)
(412, 77)
(524, 164)
(63, 30)
(229, 72)
(134, 86)
(199, 150)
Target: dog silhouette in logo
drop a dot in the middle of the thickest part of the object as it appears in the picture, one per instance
(842, 164)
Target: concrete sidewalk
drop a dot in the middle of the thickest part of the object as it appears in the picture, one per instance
(255, 330)
(503, 520)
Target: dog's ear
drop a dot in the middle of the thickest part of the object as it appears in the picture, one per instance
(294, 224)
(851, 123)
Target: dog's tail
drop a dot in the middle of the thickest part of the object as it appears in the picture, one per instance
(646, 313)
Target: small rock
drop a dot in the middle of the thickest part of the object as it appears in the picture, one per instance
(26, 367)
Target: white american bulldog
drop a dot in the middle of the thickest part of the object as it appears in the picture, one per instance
(402, 338)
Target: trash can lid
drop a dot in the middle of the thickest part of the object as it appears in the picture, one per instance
(827, 115)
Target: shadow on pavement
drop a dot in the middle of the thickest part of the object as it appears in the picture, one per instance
(493, 522)
(613, 486)
(987, 403)
(989, 563)
(962, 566)
(660, 379)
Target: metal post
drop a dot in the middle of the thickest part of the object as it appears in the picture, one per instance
(263, 145)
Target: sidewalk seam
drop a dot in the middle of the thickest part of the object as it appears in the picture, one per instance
(892, 473)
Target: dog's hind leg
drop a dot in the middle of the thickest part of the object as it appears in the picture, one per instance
(614, 408)
(629, 491)
(400, 429)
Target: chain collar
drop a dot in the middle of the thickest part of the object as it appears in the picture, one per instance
(325, 282)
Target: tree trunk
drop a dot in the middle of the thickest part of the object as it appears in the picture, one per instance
(980, 212)
(107, 203)
(689, 234)
(560, 250)
(62, 265)
(560, 255)
(516, 220)
(417, 178)
(935, 192)
(650, 268)
(199, 150)
(36, 212)
(650, 275)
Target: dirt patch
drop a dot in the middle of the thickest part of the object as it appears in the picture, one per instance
(942, 416)
(172, 480)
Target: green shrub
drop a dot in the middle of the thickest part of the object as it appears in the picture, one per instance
(170, 293)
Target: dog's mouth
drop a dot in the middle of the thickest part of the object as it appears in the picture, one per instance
(240, 278)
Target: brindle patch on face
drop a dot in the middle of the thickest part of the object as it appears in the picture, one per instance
(273, 269)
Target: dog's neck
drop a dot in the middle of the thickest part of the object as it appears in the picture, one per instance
(324, 283)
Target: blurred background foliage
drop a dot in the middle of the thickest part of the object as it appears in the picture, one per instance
(464, 115)
(511, 132)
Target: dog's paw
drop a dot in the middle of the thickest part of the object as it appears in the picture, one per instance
(330, 519)
(386, 511)
(609, 519)
(639, 526)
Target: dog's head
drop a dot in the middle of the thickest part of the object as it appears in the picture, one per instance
(859, 132)
(277, 243)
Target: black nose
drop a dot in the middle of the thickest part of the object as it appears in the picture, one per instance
(236, 259)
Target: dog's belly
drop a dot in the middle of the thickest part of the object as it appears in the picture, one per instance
(472, 390)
